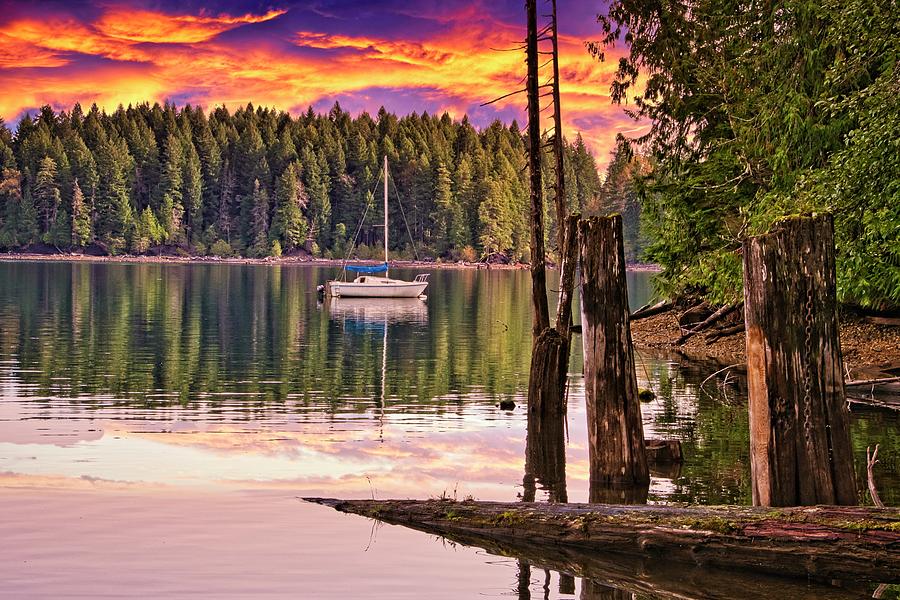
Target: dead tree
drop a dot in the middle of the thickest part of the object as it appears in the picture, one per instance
(799, 421)
(541, 319)
(615, 431)
(550, 350)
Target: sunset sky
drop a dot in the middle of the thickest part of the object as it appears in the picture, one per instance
(426, 55)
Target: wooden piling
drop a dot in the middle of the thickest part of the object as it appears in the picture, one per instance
(799, 421)
(615, 430)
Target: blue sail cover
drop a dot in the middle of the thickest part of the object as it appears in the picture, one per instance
(361, 269)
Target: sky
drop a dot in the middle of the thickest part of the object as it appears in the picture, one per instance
(408, 56)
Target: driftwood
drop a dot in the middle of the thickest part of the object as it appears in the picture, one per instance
(650, 311)
(823, 542)
(879, 381)
(711, 320)
(871, 461)
(724, 332)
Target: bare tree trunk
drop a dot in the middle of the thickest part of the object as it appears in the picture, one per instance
(615, 431)
(568, 262)
(541, 319)
(799, 421)
(561, 205)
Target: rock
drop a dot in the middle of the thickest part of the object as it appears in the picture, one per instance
(645, 395)
(507, 405)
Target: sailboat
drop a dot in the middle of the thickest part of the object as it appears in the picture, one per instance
(370, 285)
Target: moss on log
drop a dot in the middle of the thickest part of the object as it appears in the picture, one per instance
(820, 542)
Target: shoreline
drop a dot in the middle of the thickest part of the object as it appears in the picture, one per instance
(283, 260)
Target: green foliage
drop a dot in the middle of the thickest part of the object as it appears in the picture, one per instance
(275, 250)
(289, 226)
(46, 194)
(81, 218)
(762, 111)
(114, 213)
(147, 232)
(260, 222)
(221, 249)
(620, 194)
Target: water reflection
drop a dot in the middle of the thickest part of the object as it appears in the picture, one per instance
(545, 458)
(156, 381)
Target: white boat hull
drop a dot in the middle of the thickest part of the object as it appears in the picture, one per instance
(372, 288)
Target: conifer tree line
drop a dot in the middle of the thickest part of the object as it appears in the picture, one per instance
(259, 182)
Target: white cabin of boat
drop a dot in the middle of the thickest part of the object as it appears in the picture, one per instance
(370, 286)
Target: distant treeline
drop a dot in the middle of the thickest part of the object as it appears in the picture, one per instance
(260, 182)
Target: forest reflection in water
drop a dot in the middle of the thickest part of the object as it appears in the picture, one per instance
(233, 377)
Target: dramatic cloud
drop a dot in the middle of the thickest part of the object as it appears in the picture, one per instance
(426, 56)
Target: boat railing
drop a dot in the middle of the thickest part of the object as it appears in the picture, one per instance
(422, 277)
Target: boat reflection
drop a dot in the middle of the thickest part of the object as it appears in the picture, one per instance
(378, 310)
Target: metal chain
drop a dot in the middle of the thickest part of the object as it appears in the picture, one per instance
(807, 363)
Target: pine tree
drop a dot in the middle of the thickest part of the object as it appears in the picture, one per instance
(496, 237)
(259, 226)
(114, 214)
(46, 194)
(443, 209)
(10, 205)
(192, 192)
(27, 225)
(315, 179)
(289, 226)
(171, 179)
(81, 218)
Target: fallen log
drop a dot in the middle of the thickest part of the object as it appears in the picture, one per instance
(724, 332)
(879, 381)
(821, 542)
(711, 320)
(656, 309)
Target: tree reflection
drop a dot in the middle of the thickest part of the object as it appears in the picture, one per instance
(545, 458)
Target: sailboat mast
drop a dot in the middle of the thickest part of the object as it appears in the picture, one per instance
(385, 212)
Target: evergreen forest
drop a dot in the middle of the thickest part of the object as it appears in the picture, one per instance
(258, 182)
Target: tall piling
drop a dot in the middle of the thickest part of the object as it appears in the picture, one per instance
(800, 451)
(615, 431)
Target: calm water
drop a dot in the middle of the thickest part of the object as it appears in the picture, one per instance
(159, 422)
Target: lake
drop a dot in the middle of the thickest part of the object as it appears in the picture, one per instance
(159, 423)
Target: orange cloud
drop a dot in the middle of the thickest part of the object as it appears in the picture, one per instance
(146, 26)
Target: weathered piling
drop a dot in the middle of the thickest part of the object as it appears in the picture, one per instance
(615, 432)
(799, 421)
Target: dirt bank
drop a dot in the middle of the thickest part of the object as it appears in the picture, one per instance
(866, 346)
